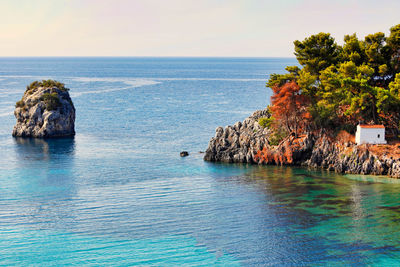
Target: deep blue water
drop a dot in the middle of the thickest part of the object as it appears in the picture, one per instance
(119, 194)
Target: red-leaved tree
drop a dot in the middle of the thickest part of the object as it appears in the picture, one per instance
(289, 107)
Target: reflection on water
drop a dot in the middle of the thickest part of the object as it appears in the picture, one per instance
(373, 178)
(42, 186)
(43, 149)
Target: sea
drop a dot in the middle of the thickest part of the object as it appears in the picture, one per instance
(119, 194)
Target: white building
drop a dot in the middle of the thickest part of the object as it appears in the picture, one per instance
(370, 134)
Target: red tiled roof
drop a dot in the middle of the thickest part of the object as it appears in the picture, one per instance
(371, 126)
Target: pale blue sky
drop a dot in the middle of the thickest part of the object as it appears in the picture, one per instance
(182, 27)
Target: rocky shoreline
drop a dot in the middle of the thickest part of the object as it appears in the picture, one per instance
(248, 142)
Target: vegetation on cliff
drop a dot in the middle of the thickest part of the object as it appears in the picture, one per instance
(46, 83)
(51, 100)
(339, 86)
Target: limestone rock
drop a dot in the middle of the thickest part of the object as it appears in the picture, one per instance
(45, 110)
(236, 143)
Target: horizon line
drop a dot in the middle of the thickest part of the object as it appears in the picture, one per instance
(147, 57)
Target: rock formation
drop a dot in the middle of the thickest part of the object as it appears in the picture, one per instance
(184, 154)
(240, 142)
(45, 110)
(248, 142)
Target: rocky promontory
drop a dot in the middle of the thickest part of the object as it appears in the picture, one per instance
(249, 142)
(45, 110)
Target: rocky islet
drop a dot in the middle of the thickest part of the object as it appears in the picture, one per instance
(45, 111)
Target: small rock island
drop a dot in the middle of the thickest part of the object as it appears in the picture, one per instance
(45, 111)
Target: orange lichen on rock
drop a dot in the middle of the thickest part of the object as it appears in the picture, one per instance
(273, 156)
(282, 154)
(390, 150)
(344, 136)
(264, 156)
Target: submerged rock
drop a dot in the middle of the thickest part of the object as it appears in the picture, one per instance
(45, 110)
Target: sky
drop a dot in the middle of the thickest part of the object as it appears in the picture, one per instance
(201, 28)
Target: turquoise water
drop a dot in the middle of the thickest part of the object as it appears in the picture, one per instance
(119, 194)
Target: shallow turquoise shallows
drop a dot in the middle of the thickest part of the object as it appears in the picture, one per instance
(119, 194)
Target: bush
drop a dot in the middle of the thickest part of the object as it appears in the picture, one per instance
(51, 100)
(277, 136)
(265, 122)
(350, 128)
(45, 83)
(20, 104)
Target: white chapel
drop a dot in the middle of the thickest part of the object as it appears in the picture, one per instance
(370, 134)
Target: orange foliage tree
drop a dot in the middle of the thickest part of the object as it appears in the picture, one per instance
(289, 107)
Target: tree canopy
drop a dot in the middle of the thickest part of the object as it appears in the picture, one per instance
(340, 86)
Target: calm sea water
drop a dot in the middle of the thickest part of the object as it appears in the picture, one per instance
(119, 194)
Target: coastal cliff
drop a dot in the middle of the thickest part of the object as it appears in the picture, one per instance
(249, 142)
(45, 110)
